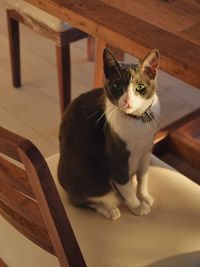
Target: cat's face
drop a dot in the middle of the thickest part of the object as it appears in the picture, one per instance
(128, 86)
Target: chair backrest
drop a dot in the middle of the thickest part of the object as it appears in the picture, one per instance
(30, 202)
(30, 12)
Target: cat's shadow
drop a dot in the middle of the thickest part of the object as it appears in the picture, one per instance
(191, 259)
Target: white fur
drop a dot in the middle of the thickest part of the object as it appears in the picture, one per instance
(138, 207)
(129, 194)
(138, 137)
(130, 103)
(112, 198)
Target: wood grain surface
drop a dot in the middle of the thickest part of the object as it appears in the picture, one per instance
(121, 28)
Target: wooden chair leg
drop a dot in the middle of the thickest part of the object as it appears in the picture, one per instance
(14, 44)
(98, 72)
(64, 75)
(91, 48)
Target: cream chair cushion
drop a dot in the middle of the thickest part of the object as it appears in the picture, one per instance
(168, 237)
(33, 14)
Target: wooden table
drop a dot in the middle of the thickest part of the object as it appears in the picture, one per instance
(136, 26)
(172, 26)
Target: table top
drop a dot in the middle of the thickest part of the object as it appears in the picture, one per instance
(138, 26)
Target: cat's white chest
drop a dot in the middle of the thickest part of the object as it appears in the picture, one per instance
(137, 135)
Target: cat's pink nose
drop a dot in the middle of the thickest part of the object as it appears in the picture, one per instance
(127, 103)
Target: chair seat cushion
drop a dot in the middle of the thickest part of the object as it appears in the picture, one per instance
(29, 12)
(168, 236)
(18, 251)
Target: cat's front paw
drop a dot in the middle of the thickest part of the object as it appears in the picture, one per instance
(145, 198)
(148, 200)
(133, 206)
(143, 209)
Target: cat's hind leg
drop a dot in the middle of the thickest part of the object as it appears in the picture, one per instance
(106, 205)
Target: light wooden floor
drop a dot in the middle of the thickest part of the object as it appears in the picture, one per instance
(33, 110)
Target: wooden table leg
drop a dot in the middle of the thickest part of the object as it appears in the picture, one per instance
(98, 71)
(14, 43)
(64, 75)
(91, 48)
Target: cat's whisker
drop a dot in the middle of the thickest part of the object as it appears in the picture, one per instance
(159, 115)
(93, 114)
(156, 120)
(105, 126)
(146, 126)
(110, 111)
(104, 114)
(153, 124)
(110, 115)
(96, 113)
(156, 123)
(92, 105)
(149, 126)
(116, 114)
(113, 117)
(100, 117)
(145, 120)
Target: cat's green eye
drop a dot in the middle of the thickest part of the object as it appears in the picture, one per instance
(141, 88)
(117, 87)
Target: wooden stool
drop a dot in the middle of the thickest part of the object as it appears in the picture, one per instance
(62, 41)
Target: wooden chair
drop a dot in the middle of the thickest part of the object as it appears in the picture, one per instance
(38, 229)
(52, 28)
(30, 202)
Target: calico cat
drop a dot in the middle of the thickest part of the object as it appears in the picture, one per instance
(106, 137)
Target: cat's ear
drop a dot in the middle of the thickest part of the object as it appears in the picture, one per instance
(111, 65)
(150, 63)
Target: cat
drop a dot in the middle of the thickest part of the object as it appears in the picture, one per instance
(106, 137)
